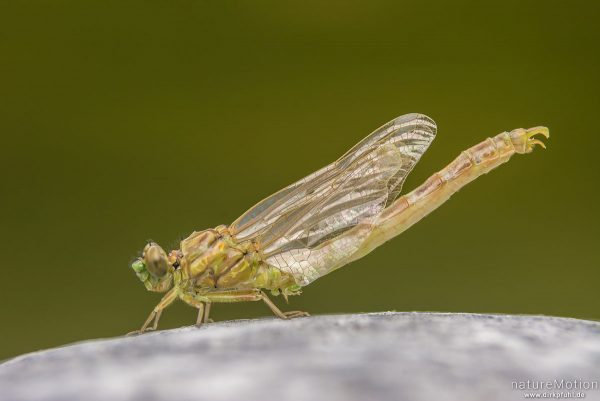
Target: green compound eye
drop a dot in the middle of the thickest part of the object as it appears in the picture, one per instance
(143, 275)
(138, 266)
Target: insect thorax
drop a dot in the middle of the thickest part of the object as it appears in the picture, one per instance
(212, 259)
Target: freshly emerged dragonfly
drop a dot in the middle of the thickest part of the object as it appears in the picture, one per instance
(320, 223)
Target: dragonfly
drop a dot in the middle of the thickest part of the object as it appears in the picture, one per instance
(320, 223)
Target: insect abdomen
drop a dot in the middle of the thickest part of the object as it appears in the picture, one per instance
(470, 164)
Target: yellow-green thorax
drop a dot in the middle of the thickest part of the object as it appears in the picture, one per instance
(212, 259)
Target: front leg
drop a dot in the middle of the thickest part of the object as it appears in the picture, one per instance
(154, 316)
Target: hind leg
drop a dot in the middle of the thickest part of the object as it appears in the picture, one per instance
(229, 296)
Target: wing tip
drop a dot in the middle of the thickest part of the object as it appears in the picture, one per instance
(421, 120)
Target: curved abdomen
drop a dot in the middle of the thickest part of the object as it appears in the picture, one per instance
(470, 164)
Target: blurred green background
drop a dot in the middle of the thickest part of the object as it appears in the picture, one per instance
(124, 121)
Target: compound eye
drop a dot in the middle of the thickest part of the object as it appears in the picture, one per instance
(156, 260)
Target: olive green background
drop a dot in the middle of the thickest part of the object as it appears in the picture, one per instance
(125, 121)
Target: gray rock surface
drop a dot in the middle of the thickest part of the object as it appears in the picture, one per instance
(383, 356)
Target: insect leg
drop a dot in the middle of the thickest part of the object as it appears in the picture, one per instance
(278, 312)
(157, 311)
(207, 312)
(201, 303)
(200, 314)
(227, 296)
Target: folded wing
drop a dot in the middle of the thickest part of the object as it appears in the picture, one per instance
(304, 228)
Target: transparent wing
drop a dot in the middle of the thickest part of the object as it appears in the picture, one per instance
(303, 229)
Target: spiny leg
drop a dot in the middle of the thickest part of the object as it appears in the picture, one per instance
(156, 312)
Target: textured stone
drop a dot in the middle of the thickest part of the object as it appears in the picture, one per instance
(383, 356)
